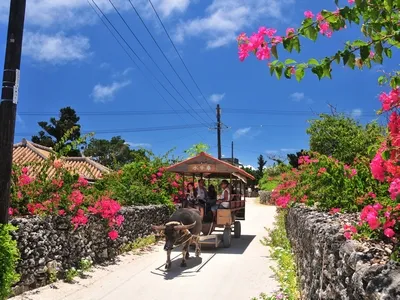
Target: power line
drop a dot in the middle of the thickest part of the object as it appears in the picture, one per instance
(151, 58)
(169, 62)
(152, 74)
(179, 55)
(130, 130)
(174, 111)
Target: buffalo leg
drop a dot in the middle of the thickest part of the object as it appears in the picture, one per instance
(198, 249)
(168, 263)
(185, 251)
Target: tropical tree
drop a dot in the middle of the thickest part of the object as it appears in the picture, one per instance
(113, 153)
(54, 131)
(197, 149)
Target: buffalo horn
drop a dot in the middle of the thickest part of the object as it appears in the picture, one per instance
(158, 228)
(183, 227)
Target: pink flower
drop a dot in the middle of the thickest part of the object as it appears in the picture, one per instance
(83, 182)
(389, 232)
(351, 1)
(371, 54)
(119, 220)
(308, 14)
(348, 235)
(57, 164)
(61, 212)
(263, 53)
(19, 195)
(159, 174)
(389, 100)
(372, 195)
(283, 201)
(353, 173)
(325, 29)
(10, 211)
(113, 235)
(175, 184)
(289, 31)
(373, 221)
(389, 223)
(320, 18)
(394, 188)
(377, 206)
(377, 166)
(335, 210)
(24, 179)
(255, 41)
(76, 197)
(242, 37)
(25, 170)
(277, 40)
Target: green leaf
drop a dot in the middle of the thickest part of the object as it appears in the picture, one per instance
(288, 72)
(352, 60)
(327, 70)
(359, 43)
(388, 5)
(313, 61)
(288, 44)
(279, 70)
(386, 155)
(274, 51)
(382, 80)
(364, 52)
(300, 74)
(296, 44)
(388, 52)
(337, 57)
(394, 82)
(318, 70)
(290, 61)
(378, 48)
(271, 69)
(311, 33)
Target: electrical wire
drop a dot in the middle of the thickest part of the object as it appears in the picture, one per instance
(179, 55)
(151, 58)
(166, 58)
(136, 55)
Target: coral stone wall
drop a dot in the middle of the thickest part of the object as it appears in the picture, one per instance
(49, 245)
(329, 267)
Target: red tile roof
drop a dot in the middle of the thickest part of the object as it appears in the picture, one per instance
(30, 153)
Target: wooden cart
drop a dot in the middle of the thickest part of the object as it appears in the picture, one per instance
(208, 167)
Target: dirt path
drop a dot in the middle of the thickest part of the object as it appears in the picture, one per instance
(240, 272)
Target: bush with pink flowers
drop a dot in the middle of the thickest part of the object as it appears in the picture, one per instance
(62, 194)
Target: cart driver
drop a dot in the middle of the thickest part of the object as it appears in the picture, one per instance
(223, 199)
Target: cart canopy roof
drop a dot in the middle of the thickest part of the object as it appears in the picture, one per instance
(209, 166)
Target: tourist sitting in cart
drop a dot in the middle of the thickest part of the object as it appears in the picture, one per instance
(223, 199)
(193, 200)
(212, 194)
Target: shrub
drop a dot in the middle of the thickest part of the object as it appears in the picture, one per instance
(328, 183)
(9, 256)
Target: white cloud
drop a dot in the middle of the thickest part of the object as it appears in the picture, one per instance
(356, 113)
(167, 7)
(139, 145)
(20, 120)
(297, 96)
(241, 132)
(288, 150)
(56, 49)
(225, 19)
(105, 93)
(250, 167)
(271, 151)
(216, 98)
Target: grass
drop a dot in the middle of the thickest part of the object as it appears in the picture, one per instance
(269, 185)
(139, 243)
(281, 252)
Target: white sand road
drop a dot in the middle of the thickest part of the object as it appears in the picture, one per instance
(239, 272)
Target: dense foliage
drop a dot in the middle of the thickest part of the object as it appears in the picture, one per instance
(113, 153)
(54, 131)
(342, 137)
(142, 182)
(9, 256)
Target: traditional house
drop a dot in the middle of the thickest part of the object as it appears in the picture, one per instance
(27, 152)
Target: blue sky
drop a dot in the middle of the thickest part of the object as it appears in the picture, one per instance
(70, 59)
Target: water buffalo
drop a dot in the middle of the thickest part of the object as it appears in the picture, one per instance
(183, 228)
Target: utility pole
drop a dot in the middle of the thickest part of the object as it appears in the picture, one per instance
(9, 99)
(219, 131)
(233, 160)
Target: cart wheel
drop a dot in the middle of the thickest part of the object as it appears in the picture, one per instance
(227, 237)
(237, 229)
